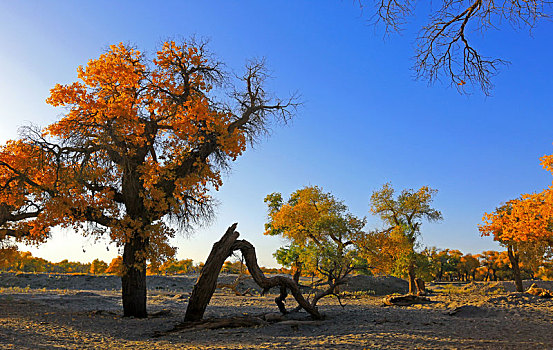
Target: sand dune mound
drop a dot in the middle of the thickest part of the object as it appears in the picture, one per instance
(379, 285)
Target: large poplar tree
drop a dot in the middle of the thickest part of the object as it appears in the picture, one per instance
(142, 142)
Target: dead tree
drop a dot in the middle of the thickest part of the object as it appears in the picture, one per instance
(207, 282)
(285, 283)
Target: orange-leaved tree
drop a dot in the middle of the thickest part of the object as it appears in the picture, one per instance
(98, 266)
(142, 143)
(524, 226)
(115, 266)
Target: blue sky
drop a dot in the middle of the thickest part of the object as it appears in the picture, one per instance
(365, 120)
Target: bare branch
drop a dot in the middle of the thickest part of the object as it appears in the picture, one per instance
(443, 47)
(257, 108)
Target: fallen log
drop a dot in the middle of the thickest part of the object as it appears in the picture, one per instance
(215, 323)
(541, 292)
(236, 322)
(404, 300)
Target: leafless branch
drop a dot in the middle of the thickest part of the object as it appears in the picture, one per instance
(257, 108)
(444, 49)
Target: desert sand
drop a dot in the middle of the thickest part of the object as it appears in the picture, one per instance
(52, 311)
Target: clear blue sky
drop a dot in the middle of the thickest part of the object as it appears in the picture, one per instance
(365, 120)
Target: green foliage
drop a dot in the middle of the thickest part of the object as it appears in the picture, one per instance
(288, 256)
(407, 210)
(173, 266)
(320, 231)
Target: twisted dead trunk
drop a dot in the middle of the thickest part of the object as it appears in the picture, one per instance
(207, 282)
(248, 252)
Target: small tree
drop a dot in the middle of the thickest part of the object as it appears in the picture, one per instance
(467, 266)
(403, 215)
(522, 226)
(489, 259)
(116, 266)
(321, 232)
(98, 266)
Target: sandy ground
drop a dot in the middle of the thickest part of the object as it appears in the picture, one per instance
(84, 312)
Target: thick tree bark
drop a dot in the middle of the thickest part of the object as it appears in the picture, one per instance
(133, 279)
(513, 258)
(134, 252)
(207, 282)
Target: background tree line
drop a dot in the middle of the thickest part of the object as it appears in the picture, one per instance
(13, 260)
(328, 243)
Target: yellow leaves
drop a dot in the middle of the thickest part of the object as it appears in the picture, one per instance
(311, 216)
(547, 162)
(116, 266)
(383, 249)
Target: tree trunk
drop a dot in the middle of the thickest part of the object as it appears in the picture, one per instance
(297, 273)
(207, 282)
(133, 279)
(248, 252)
(421, 289)
(205, 286)
(411, 274)
(513, 258)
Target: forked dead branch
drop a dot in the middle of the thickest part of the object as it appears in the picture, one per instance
(207, 282)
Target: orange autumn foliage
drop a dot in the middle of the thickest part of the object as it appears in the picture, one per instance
(142, 143)
(383, 249)
(115, 267)
(527, 219)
